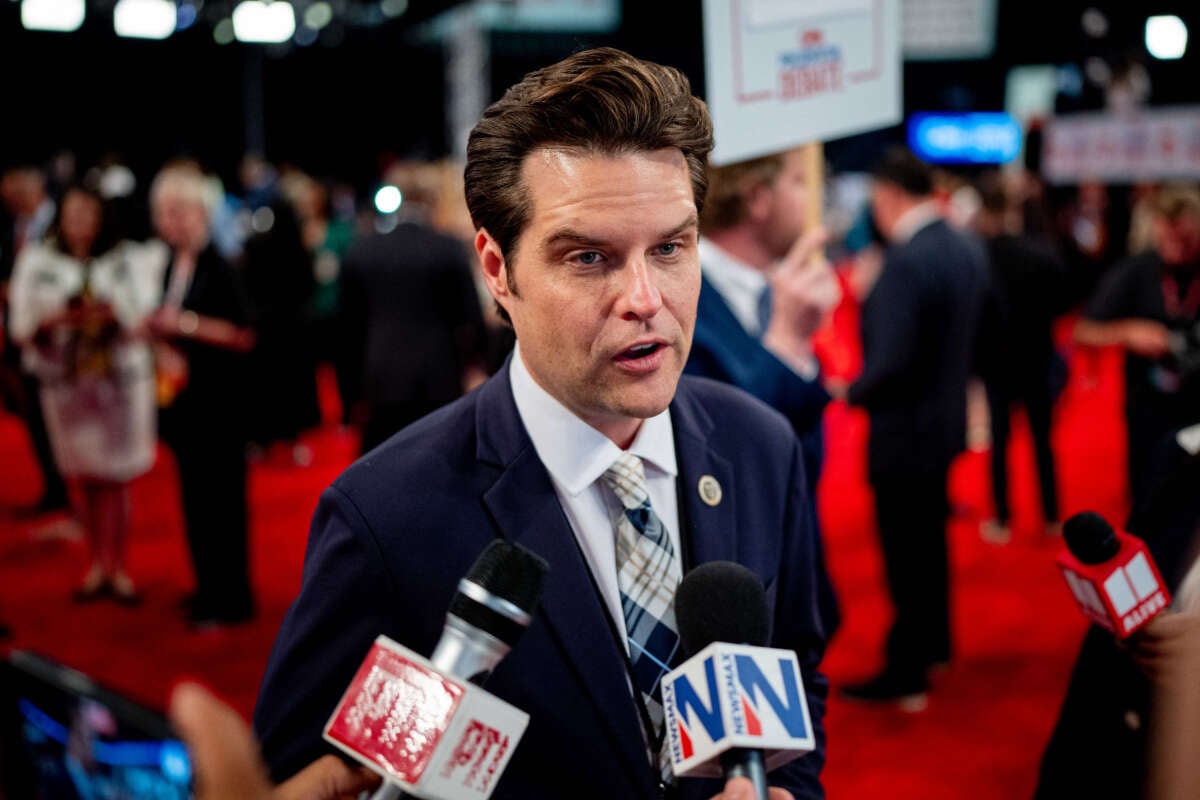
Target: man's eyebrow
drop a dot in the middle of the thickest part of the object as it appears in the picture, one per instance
(571, 236)
(568, 235)
(691, 222)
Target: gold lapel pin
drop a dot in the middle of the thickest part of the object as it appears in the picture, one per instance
(710, 490)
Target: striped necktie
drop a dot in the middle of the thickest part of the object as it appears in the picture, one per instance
(647, 575)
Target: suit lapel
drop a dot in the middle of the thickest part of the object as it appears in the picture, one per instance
(526, 510)
(709, 530)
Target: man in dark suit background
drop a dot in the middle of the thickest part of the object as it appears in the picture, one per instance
(26, 211)
(918, 333)
(766, 289)
(1015, 353)
(585, 183)
(411, 316)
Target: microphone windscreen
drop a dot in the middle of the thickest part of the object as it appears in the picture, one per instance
(511, 573)
(721, 602)
(1090, 538)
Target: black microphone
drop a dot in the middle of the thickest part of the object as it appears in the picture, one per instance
(493, 606)
(725, 602)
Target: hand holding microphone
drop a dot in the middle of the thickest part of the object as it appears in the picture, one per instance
(422, 723)
(736, 708)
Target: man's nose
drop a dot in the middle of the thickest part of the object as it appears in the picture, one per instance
(640, 297)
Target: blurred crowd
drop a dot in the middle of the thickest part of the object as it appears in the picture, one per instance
(171, 307)
(174, 308)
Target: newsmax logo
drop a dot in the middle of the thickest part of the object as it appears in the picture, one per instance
(735, 696)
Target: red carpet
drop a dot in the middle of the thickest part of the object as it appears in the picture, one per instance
(989, 715)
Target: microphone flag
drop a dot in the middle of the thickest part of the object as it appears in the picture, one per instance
(433, 735)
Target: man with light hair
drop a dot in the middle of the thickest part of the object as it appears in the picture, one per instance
(1149, 305)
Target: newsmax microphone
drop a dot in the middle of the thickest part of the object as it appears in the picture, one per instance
(422, 723)
(1111, 574)
(735, 708)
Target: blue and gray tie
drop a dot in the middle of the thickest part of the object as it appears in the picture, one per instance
(647, 575)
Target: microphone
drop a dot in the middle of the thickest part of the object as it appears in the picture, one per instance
(1111, 574)
(426, 725)
(736, 707)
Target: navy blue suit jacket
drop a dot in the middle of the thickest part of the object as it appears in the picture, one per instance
(397, 530)
(725, 351)
(918, 335)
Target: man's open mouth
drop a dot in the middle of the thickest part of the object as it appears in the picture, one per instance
(640, 351)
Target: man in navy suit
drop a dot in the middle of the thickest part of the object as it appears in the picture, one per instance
(918, 335)
(585, 183)
(765, 291)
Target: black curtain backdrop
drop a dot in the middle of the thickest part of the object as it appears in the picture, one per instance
(339, 110)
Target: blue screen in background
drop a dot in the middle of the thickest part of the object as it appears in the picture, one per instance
(977, 137)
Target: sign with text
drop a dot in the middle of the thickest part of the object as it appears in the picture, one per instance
(782, 73)
(1157, 144)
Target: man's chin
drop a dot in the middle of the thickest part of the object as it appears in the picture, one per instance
(648, 404)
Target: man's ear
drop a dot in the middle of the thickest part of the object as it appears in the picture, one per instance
(756, 198)
(495, 268)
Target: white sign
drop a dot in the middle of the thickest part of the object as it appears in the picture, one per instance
(1151, 145)
(942, 29)
(782, 73)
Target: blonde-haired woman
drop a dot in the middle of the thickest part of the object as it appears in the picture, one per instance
(203, 329)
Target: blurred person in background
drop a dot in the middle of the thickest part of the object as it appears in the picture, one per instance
(1149, 305)
(79, 302)
(28, 213)
(1134, 706)
(918, 334)
(23, 190)
(1015, 354)
(327, 239)
(765, 290)
(412, 318)
(203, 324)
(1092, 225)
(277, 271)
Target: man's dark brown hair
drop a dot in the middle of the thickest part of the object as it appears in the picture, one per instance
(901, 168)
(601, 101)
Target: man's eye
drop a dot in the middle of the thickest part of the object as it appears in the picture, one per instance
(668, 249)
(589, 258)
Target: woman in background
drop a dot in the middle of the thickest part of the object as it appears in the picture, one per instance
(79, 303)
(202, 327)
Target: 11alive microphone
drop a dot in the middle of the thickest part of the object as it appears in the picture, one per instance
(735, 708)
(1112, 575)
(424, 724)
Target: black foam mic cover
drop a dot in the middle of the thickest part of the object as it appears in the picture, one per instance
(1090, 538)
(721, 602)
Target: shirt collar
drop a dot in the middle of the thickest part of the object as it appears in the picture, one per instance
(914, 220)
(575, 453)
(736, 281)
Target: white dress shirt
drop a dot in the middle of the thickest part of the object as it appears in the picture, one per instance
(914, 220)
(576, 455)
(739, 284)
